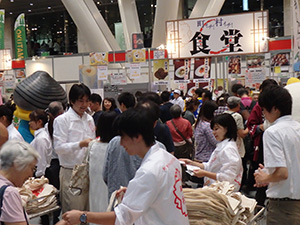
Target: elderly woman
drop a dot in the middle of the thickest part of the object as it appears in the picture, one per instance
(18, 160)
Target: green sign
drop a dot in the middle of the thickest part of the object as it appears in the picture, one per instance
(20, 37)
(2, 18)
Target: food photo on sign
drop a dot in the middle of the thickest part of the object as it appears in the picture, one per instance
(255, 62)
(160, 69)
(234, 65)
(182, 69)
(202, 68)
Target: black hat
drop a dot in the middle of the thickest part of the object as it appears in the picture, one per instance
(37, 91)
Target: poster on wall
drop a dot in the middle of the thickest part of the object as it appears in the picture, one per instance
(5, 59)
(255, 62)
(20, 73)
(135, 71)
(137, 40)
(182, 70)
(88, 76)
(118, 78)
(139, 55)
(98, 58)
(215, 36)
(253, 79)
(201, 68)
(280, 62)
(102, 72)
(234, 65)
(161, 71)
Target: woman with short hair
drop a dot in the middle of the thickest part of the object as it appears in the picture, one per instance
(17, 160)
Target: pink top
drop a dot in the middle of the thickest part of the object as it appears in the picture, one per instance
(12, 209)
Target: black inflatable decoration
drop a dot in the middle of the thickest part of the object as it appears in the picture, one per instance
(37, 91)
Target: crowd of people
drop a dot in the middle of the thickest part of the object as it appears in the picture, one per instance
(141, 148)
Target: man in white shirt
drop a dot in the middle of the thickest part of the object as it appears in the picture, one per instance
(281, 157)
(72, 132)
(154, 195)
(178, 99)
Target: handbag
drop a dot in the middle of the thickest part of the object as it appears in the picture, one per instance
(184, 151)
(80, 181)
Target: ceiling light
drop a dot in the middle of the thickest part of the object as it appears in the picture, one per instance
(49, 7)
(29, 10)
(31, 4)
(10, 13)
(12, 0)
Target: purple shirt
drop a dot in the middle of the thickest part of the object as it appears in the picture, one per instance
(205, 141)
(12, 209)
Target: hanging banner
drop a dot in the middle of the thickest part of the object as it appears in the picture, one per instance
(102, 72)
(201, 69)
(182, 70)
(98, 58)
(139, 55)
(20, 37)
(135, 70)
(161, 71)
(2, 20)
(137, 40)
(214, 36)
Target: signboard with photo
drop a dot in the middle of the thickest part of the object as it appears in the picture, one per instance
(118, 78)
(182, 70)
(88, 76)
(98, 58)
(234, 65)
(214, 36)
(201, 68)
(255, 62)
(161, 70)
(139, 55)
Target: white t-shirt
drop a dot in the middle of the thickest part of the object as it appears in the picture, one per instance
(43, 144)
(282, 149)
(226, 162)
(178, 101)
(154, 195)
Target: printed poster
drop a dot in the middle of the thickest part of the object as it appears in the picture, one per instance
(88, 76)
(182, 70)
(139, 55)
(118, 78)
(255, 62)
(98, 58)
(102, 72)
(201, 68)
(161, 71)
(234, 65)
(135, 71)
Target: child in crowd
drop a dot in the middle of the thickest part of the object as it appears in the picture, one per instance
(225, 163)
(42, 141)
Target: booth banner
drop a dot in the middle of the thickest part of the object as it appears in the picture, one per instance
(160, 70)
(5, 59)
(223, 35)
(88, 76)
(102, 72)
(2, 20)
(135, 71)
(253, 79)
(118, 78)
(20, 37)
(98, 58)
(255, 63)
(201, 68)
(139, 55)
(234, 65)
(182, 70)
